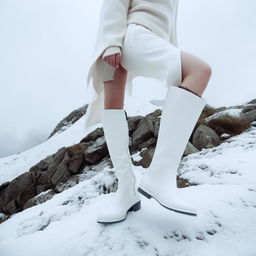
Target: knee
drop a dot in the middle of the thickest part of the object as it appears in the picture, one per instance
(204, 72)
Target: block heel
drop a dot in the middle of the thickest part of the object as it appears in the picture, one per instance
(144, 193)
(136, 207)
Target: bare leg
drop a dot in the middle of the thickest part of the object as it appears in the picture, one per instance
(195, 73)
(114, 90)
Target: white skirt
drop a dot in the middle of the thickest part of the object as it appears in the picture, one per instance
(146, 54)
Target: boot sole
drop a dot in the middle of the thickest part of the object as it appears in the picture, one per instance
(147, 195)
(133, 208)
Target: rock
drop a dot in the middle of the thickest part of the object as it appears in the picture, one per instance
(76, 163)
(69, 120)
(151, 142)
(190, 149)
(42, 165)
(155, 115)
(205, 137)
(25, 195)
(16, 186)
(41, 188)
(133, 122)
(252, 102)
(249, 115)
(144, 132)
(248, 108)
(61, 186)
(156, 128)
(96, 151)
(39, 199)
(61, 173)
(4, 185)
(58, 156)
(146, 159)
(11, 207)
(94, 135)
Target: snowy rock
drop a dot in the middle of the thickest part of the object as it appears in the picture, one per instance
(250, 115)
(190, 149)
(205, 137)
(144, 131)
(69, 120)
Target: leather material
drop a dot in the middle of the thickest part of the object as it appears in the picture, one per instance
(179, 116)
(116, 133)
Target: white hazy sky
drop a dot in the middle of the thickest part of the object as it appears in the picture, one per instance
(45, 47)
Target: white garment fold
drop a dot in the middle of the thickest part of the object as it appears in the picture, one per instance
(111, 32)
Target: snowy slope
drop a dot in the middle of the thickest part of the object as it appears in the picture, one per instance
(14, 165)
(66, 225)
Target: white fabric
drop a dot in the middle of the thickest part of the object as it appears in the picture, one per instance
(111, 50)
(158, 15)
(117, 139)
(111, 32)
(146, 54)
(180, 114)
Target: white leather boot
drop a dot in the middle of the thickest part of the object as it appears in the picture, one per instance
(126, 198)
(180, 113)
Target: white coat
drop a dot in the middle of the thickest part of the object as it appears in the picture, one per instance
(111, 32)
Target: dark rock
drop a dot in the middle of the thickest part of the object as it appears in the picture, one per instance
(69, 120)
(41, 188)
(250, 115)
(16, 186)
(252, 102)
(25, 195)
(61, 173)
(144, 131)
(133, 123)
(190, 148)
(94, 135)
(58, 156)
(39, 199)
(77, 162)
(11, 207)
(4, 185)
(182, 183)
(151, 142)
(45, 177)
(156, 113)
(61, 186)
(146, 159)
(42, 165)
(96, 151)
(156, 128)
(248, 108)
(205, 137)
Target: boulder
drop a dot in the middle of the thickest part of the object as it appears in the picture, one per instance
(205, 137)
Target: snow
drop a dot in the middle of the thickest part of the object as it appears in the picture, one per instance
(234, 112)
(14, 165)
(66, 225)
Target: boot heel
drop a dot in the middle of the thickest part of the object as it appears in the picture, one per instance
(144, 193)
(136, 207)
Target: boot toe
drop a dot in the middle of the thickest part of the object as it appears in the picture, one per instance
(110, 216)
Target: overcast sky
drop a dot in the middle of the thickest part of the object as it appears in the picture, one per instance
(45, 47)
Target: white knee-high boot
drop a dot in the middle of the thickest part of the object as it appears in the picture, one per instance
(180, 113)
(126, 198)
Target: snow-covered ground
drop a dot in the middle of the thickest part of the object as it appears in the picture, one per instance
(235, 112)
(14, 165)
(66, 225)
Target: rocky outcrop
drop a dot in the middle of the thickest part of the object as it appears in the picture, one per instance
(50, 172)
(205, 137)
(68, 165)
(69, 120)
